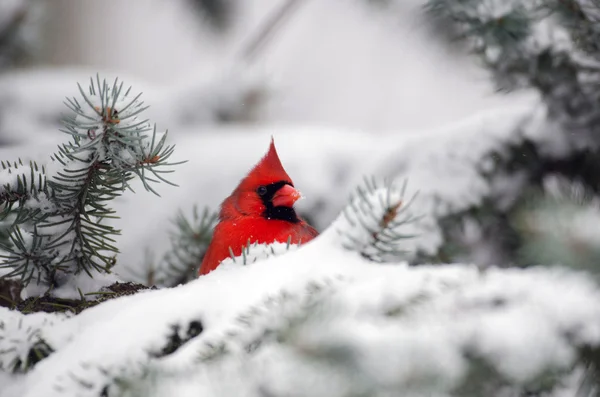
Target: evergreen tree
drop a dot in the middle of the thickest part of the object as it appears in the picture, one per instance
(550, 46)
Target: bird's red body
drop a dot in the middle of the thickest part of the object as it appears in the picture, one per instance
(260, 209)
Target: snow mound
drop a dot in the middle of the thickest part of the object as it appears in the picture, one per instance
(322, 319)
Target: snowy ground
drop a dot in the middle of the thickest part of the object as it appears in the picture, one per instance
(320, 320)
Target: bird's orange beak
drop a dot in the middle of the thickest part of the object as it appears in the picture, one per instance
(286, 197)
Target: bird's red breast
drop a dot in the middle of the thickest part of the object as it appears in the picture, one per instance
(260, 210)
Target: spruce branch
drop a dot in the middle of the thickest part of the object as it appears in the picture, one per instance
(20, 190)
(189, 243)
(559, 225)
(189, 240)
(65, 232)
(549, 45)
(276, 319)
(582, 18)
(552, 47)
(22, 343)
(378, 221)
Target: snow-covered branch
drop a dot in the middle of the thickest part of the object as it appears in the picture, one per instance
(342, 323)
(59, 228)
(324, 319)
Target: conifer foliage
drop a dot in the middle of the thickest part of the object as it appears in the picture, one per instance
(549, 47)
(57, 213)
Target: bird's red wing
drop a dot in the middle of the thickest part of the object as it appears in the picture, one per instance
(211, 259)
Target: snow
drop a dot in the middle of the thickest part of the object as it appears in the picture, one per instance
(316, 319)
(82, 284)
(257, 252)
(8, 178)
(19, 333)
(391, 328)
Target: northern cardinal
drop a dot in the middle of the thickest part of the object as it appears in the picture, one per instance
(260, 209)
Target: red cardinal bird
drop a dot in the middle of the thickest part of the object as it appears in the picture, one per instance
(261, 210)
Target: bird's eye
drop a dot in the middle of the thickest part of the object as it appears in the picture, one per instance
(262, 190)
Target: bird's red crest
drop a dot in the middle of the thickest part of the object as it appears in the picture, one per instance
(244, 200)
(268, 170)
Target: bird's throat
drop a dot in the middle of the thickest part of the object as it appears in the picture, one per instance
(287, 214)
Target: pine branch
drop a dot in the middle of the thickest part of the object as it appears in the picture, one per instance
(66, 232)
(559, 226)
(22, 343)
(378, 222)
(20, 190)
(552, 47)
(425, 331)
(189, 243)
(582, 18)
(548, 45)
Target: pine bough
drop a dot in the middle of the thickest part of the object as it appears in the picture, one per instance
(55, 214)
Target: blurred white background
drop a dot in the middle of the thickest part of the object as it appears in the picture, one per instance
(343, 63)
